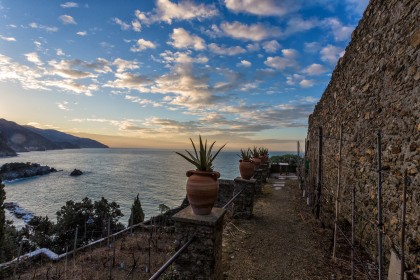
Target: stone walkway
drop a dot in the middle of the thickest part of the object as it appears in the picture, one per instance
(281, 241)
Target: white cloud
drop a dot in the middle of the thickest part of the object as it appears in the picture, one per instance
(130, 81)
(8, 39)
(253, 32)
(315, 69)
(63, 106)
(59, 52)
(306, 83)
(69, 5)
(281, 63)
(168, 11)
(34, 58)
(244, 63)
(298, 24)
(312, 47)
(253, 47)
(182, 58)
(122, 24)
(294, 79)
(262, 7)
(136, 25)
(142, 45)
(142, 101)
(181, 39)
(82, 33)
(35, 25)
(213, 32)
(271, 46)
(222, 50)
(123, 65)
(66, 19)
(339, 31)
(289, 53)
(40, 78)
(331, 54)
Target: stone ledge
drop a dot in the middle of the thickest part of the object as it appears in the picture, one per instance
(240, 179)
(187, 216)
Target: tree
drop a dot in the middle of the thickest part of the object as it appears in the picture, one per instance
(2, 221)
(163, 208)
(137, 214)
(104, 211)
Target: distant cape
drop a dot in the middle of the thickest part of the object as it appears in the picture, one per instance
(15, 138)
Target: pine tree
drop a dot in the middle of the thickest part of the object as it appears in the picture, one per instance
(137, 215)
(2, 220)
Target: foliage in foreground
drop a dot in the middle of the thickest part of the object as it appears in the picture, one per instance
(90, 219)
(137, 214)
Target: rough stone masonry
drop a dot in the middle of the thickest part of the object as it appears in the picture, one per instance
(375, 86)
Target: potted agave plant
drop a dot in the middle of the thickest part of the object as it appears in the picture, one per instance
(202, 184)
(263, 154)
(256, 157)
(246, 167)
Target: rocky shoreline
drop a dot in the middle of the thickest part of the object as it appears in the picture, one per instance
(18, 170)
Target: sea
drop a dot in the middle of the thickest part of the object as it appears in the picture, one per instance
(158, 176)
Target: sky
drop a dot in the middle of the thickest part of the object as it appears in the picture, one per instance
(155, 73)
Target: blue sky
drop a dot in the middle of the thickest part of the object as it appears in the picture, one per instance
(154, 73)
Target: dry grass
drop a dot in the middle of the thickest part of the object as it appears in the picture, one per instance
(126, 258)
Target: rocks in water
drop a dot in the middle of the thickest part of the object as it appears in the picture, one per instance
(76, 172)
(18, 170)
(18, 211)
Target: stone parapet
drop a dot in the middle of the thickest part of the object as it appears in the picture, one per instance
(265, 172)
(244, 203)
(203, 258)
(258, 173)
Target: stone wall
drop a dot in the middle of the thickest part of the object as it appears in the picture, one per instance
(375, 86)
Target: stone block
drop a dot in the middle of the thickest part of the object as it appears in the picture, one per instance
(243, 205)
(203, 258)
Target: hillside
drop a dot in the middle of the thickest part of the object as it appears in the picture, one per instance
(15, 138)
(66, 141)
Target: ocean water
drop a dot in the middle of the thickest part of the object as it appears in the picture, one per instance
(115, 174)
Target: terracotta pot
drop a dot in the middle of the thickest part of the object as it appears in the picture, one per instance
(257, 162)
(202, 189)
(264, 159)
(246, 168)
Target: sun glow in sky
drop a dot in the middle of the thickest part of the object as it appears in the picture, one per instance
(154, 73)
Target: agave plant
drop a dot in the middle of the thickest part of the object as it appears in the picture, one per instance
(263, 151)
(203, 158)
(245, 154)
(255, 153)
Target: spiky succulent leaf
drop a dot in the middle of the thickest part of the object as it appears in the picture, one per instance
(203, 159)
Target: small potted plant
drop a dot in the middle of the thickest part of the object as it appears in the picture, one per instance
(256, 157)
(246, 167)
(263, 154)
(202, 184)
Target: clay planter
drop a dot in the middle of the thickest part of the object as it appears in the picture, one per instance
(202, 189)
(257, 162)
(246, 169)
(264, 159)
